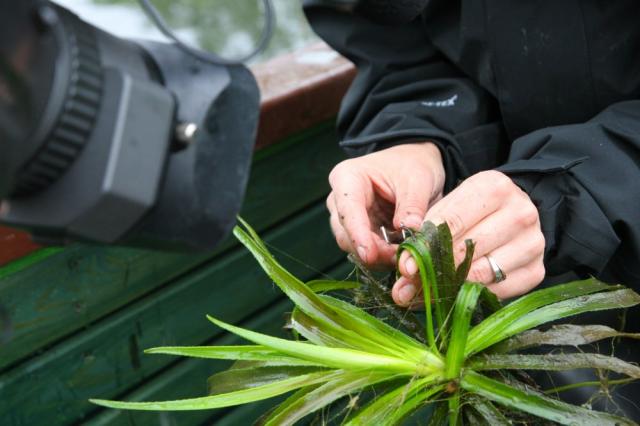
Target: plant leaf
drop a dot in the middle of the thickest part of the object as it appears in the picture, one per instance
(391, 407)
(379, 338)
(489, 302)
(440, 414)
(317, 333)
(246, 353)
(418, 247)
(331, 357)
(218, 401)
(488, 412)
(492, 329)
(302, 296)
(535, 403)
(319, 286)
(358, 319)
(463, 309)
(296, 290)
(236, 379)
(324, 395)
(446, 274)
(554, 362)
(300, 393)
(561, 335)
(589, 303)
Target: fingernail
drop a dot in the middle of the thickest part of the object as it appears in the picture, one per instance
(407, 293)
(362, 253)
(411, 266)
(412, 221)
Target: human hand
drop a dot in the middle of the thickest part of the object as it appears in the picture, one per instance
(500, 218)
(392, 187)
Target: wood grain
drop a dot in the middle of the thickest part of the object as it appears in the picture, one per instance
(66, 292)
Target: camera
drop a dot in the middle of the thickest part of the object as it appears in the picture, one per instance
(118, 141)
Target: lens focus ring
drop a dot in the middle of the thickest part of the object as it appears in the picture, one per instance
(78, 114)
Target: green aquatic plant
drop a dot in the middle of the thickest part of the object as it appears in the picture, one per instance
(468, 365)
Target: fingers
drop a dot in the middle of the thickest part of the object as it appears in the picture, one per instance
(380, 253)
(501, 219)
(406, 292)
(350, 206)
(475, 199)
(412, 194)
(520, 281)
(340, 234)
(495, 231)
(510, 257)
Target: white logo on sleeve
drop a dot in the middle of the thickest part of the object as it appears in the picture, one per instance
(445, 103)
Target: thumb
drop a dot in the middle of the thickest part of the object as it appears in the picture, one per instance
(412, 201)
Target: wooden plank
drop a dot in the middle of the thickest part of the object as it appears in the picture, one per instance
(104, 360)
(188, 377)
(14, 245)
(69, 290)
(299, 90)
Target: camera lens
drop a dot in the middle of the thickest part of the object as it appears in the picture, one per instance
(50, 88)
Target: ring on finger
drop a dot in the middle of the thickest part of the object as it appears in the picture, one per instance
(498, 273)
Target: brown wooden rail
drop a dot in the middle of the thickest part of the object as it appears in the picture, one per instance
(298, 90)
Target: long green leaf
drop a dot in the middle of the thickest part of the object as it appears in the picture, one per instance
(338, 337)
(236, 379)
(246, 353)
(463, 309)
(390, 408)
(446, 277)
(554, 362)
(317, 333)
(383, 333)
(537, 404)
(417, 248)
(561, 335)
(379, 337)
(589, 303)
(304, 298)
(299, 394)
(428, 243)
(324, 395)
(319, 286)
(218, 401)
(296, 290)
(488, 412)
(331, 357)
(493, 328)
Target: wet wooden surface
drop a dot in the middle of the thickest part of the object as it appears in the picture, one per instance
(300, 90)
(14, 245)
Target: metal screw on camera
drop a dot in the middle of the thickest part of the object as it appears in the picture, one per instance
(185, 134)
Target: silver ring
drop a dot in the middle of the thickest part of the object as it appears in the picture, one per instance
(498, 273)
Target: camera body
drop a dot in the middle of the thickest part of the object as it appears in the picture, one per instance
(116, 141)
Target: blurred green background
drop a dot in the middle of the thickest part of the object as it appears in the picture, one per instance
(227, 27)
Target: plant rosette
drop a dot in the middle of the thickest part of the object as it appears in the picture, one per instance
(468, 365)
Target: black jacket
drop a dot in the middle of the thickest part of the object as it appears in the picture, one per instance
(547, 92)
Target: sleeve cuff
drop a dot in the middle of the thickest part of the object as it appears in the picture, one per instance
(578, 235)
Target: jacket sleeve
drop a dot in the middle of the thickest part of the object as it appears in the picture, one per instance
(585, 180)
(406, 91)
